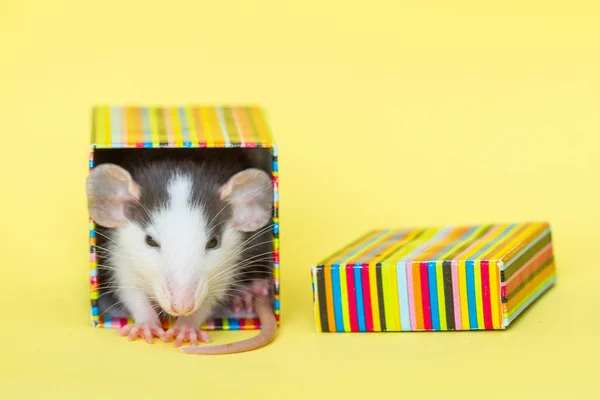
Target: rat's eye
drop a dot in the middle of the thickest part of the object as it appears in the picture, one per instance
(212, 243)
(151, 242)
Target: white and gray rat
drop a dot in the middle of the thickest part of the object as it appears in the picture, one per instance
(184, 238)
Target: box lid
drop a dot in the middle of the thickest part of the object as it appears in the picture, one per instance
(185, 126)
(447, 278)
(499, 242)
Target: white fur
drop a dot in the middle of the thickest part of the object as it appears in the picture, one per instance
(182, 270)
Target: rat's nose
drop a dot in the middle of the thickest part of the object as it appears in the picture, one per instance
(182, 307)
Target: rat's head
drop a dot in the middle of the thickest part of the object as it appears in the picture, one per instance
(178, 231)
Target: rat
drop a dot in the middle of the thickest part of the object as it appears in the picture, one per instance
(183, 239)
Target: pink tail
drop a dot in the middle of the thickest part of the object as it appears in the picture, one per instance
(263, 308)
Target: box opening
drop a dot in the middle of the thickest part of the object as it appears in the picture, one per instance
(106, 310)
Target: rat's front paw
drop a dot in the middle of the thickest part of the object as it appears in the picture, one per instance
(183, 333)
(144, 330)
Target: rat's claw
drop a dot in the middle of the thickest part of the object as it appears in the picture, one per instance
(133, 333)
(237, 304)
(193, 338)
(144, 331)
(148, 334)
(248, 302)
(169, 335)
(204, 337)
(185, 333)
(179, 339)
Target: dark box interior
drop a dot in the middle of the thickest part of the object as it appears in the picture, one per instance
(126, 157)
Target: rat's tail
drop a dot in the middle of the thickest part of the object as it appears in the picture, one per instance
(263, 308)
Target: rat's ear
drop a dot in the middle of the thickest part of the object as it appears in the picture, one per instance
(110, 189)
(250, 192)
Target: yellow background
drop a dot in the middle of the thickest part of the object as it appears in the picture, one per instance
(391, 113)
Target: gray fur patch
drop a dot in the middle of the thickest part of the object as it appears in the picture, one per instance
(206, 179)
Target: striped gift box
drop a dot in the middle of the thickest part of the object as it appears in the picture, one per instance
(436, 279)
(188, 127)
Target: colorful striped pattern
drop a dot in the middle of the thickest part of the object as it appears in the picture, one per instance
(220, 324)
(151, 127)
(436, 279)
(181, 127)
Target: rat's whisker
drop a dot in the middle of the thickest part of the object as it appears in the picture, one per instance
(143, 207)
(210, 231)
(104, 249)
(261, 231)
(106, 267)
(102, 253)
(106, 293)
(221, 271)
(230, 280)
(109, 308)
(240, 268)
(219, 213)
(244, 246)
(104, 236)
(243, 283)
(222, 307)
(231, 294)
(240, 252)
